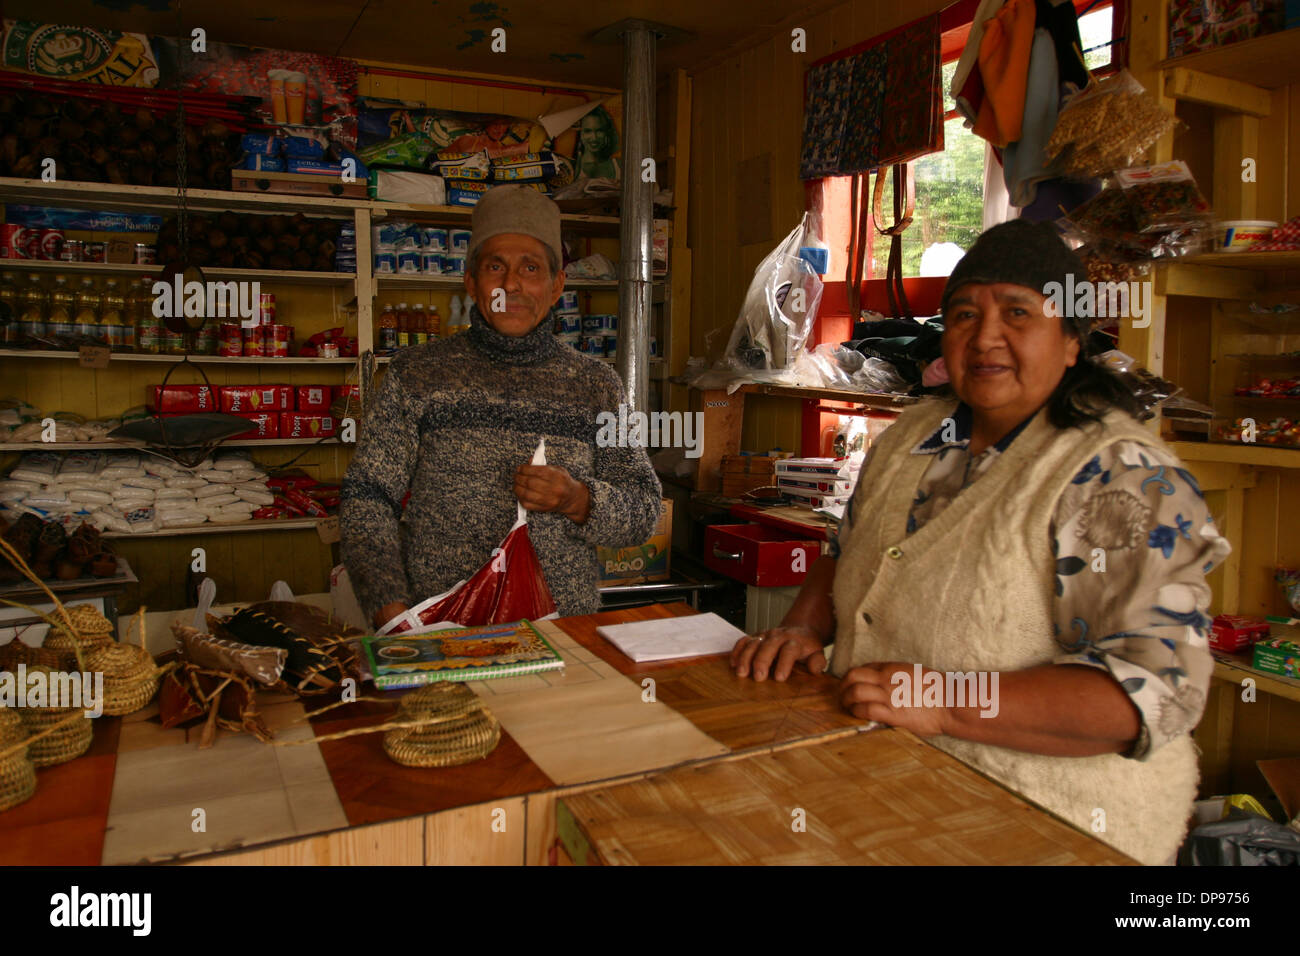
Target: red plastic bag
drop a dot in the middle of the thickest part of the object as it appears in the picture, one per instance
(511, 586)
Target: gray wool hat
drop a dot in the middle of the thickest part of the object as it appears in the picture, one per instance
(1021, 252)
(516, 209)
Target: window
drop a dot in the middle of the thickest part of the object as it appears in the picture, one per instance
(949, 186)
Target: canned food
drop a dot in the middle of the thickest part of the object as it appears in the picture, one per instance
(145, 254)
(329, 350)
(13, 241)
(74, 250)
(96, 251)
(205, 340)
(266, 309)
(173, 342)
(230, 340)
(51, 243)
(254, 341)
(280, 337)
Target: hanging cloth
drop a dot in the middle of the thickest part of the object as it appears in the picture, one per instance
(904, 186)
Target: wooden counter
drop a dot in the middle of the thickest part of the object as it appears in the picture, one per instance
(149, 795)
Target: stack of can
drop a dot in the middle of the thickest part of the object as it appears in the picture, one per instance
(266, 339)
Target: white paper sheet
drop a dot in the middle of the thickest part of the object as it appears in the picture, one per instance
(672, 638)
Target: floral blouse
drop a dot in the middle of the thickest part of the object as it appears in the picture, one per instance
(1133, 540)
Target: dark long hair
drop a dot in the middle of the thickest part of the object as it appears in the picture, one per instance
(1088, 390)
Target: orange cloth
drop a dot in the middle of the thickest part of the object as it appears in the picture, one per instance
(1004, 67)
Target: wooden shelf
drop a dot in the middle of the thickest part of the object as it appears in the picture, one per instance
(457, 283)
(210, 273)
(1265, 456)
(162, 199)
(137, 445)
(1235, 667)
(198, 359)
(460, 215)
(1241, 260)
(1268, 61)
(869, 399)
(208, 527)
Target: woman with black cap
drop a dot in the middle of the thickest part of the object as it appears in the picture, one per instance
(1020, 575)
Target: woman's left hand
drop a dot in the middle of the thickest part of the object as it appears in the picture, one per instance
(870, 692)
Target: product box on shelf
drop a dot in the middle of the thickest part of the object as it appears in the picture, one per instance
(1278, 655)
(256, 398)
(314, 398)
(183, 399)
(306, 425)
(1232, 632)
(265, 425)
(641, 563)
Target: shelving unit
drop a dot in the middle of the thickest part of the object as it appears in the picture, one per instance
(284, 524)
(173, 359)
(136, 446)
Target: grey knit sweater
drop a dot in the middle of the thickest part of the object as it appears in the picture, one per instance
(450, 423)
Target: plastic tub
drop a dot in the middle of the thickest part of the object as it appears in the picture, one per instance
(1236, 235)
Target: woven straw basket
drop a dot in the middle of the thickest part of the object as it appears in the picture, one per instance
(68, 741)
(456, 728)
(17, 775)
(130, 676)
(90, 630)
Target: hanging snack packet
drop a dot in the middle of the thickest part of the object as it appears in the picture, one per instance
(1107, 126)
(1164, 197)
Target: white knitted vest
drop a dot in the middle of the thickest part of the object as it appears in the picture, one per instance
(973, 590)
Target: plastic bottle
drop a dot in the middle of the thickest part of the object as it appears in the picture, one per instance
(403, 326)
(419, 330)
(433, 322)
(453, 321)
(88, 301)
(34, 305)
(10, 334)
(112, 318)
(148, 327)
(388, 330)
(60, 318)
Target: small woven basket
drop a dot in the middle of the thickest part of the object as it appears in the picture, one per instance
(17, 775)
(455, 728)
(90, 630)
(69, 739)
(130, 676)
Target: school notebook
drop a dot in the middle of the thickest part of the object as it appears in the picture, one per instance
(459, 653)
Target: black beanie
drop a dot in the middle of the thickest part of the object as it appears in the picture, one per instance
(1021, 252)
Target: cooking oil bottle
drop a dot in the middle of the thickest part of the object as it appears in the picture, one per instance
(112, 317)
(88, 301)
(10, 333)
(148, 327)
(34, 303)
(60, 321)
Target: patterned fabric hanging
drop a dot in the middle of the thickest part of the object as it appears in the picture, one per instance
(876, 107)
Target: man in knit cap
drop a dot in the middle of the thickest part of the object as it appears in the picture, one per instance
(455, 423)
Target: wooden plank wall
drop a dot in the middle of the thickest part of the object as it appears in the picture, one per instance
(746, 105)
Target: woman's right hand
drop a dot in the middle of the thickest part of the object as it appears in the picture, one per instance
(776, 651)
(388, 612)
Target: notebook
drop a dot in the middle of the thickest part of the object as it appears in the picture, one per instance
(672, 638)
(459, 653)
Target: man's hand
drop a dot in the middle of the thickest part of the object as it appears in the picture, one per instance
(866, 693)
(388, 612)
(781, 646)
(551, 488)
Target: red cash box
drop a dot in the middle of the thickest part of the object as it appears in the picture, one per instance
(759, 555)
(306, 425)
(256, 398)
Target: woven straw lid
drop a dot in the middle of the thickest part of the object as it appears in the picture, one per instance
(86, 621)
(454, 727)
(17, 775)
(130, 676)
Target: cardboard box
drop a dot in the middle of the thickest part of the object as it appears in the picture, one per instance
(265, 424)
(306, 425)
(1277, 655)
(314, 398)
(183, 399)
(1232, 633)
(256, 398)
(641, 563)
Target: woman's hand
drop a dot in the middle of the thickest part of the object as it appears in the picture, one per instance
(782, 646)
(388, 612)
(869, 692)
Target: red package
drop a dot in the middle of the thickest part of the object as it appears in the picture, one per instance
(256, 398)
(1232, 632)
(184, 399)
(352, 392)
(265, 425)
(305, 425)
(305, 502)
(321, 492)
(314, 398)
(297, 478)
(269, 514)
(289, 507)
